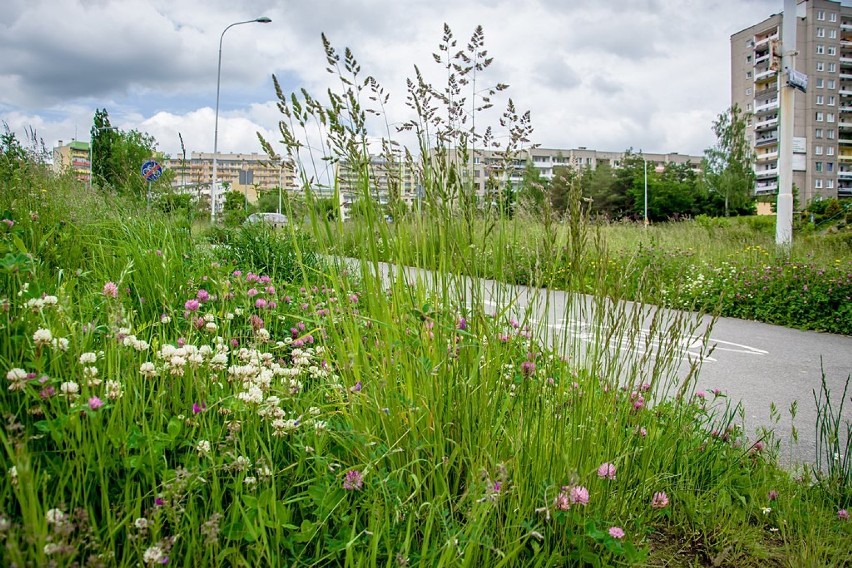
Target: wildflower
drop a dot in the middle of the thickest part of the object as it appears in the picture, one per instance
(843, 515)
(191, 305)
(260, 303)
(758, 446)
(353, 480)
(69, 388)
(356, 387)
(766, 510)
(110, 290)
(55, 517)
(60, 343)
(660, 500)
(198, 408)
(527, 368)
(462, 324)
(95, 403)
(141, 523)
(17, 378)
(250, 481)
(165, 319)
(202, 295)
(87, 358)
(606, 471)
(154, 555)
(203, 447)
(148, 370)
(42, 337)
(579, 495)
(773, 495)
(616, 532)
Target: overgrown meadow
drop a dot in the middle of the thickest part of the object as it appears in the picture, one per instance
(182, 396)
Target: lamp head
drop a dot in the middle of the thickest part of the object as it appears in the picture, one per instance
(263, 20)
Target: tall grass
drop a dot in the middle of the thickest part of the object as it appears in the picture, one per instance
(361, 413)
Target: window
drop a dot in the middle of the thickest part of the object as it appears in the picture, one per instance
(821, 15)
(832, 84)
(820, 49)
(829, 166)
(748, 106)
(832, 67)
(819, 99)
(820, 66)
(748, 58)
(829, 117)
(829, 152)
(748, 74)
(831, 100)
(832, 16)
(819, 83)
(748, 91)
(829, 183)
(820, 32)
(818, 133)
(829, 134)
(832, 50)
(818, 166)
(819, 117)
(818, 150)
(818, 184)
(832, 34)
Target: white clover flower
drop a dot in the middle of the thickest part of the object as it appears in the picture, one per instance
(88, 358)
(52, 548)
(219, 361)
(205, 350)
(203, 447)
(209, 318)
(16, 375)
(238, 311)
(55, 517)
(229, 316)
(210, 327)
(69, 388)
(320, 425)
(154, 555)
(141, 523)
(165, 319)
(50, 300)
(90, 372)
(252, 395)
(42, 337)
(60, 343)
(242, 463)
(34, 304)
(314, 411)
(250, 481)
(148, 370)
(263, 334)
(114, 390)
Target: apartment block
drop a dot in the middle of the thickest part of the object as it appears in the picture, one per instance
(389, 176)
(73, 156)
(487, 163)
(247, 173)
(822, 132)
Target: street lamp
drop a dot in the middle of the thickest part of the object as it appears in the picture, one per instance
(91, 153)
(262, 20)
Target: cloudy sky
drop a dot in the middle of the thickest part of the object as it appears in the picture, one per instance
(606, 74)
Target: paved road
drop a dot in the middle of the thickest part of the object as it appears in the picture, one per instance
(755, 363)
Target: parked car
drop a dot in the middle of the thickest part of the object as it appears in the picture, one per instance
(274, 219)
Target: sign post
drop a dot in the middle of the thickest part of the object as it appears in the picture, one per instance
(151, 171)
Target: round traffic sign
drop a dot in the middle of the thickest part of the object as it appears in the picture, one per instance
(151, 170)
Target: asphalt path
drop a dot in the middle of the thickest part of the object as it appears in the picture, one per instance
(751, 363)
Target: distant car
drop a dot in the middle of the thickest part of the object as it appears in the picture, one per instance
(273, 219)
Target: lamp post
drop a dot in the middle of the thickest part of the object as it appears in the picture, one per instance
(91, 152)
(646, 189)
(262, 20)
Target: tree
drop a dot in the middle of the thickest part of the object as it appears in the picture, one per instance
(532, 192)
(118, 155)
(728, 165)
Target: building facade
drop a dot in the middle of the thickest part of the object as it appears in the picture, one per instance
(822, 132)
(487, 163)
(75, 157)
(249, 174)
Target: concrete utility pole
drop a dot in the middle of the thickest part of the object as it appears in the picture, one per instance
(784, 209)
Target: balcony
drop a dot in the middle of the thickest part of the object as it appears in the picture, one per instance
(845, 124)
(844, 191)
(765, 57)
(768, 91)
(767, 124)
(765, 188)
(845, 91)
(765, 74)
(768, 173)
(844, 174)
(770, 105)
(845, 60)
(844, 140)
(771, 155)
(846, 26)
(760, 42)
(769, 140)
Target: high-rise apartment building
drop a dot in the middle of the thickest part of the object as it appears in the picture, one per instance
(73, 156)
(822, 132)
